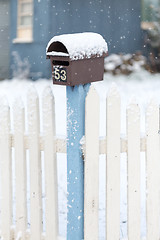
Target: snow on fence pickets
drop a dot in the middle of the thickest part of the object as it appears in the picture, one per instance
(34, 220)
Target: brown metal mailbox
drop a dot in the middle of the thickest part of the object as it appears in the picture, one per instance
(77, 58)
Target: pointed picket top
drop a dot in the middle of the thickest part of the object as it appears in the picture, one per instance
(4, 106)
(3, 103)
(48, 104)
(113, 100)
(32, 104)
(47, 92)
(18, 114)
(152, 116)
(31, 93)
(18, 104)
(47, 96)
(92, 94)
(4, 115)
(133, 108)
(152, 105)
(47, 99)
(33, 109)
(113, 91)
(3, 99)
(133, 100)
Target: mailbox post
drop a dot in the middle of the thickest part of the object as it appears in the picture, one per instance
(76, 61)
(75, 164)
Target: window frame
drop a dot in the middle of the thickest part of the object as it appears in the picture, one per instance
(24, 32)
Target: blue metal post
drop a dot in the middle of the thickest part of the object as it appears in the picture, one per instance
(75, 165)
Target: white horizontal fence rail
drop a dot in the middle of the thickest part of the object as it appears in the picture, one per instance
(133, 144)
(60, 143)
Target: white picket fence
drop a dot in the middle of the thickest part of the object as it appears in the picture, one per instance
(113, 145)
(22, 147)
(18, 146)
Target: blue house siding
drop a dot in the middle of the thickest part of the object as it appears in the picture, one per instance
(4, 38)
(117, 21)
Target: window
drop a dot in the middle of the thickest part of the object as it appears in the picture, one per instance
(25, 20)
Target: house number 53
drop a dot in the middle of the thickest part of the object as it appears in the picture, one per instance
(60, 74)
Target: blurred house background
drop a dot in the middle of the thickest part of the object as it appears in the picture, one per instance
(4, 38)
(26, 26)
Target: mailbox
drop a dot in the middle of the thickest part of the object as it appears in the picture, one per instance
(77, 58)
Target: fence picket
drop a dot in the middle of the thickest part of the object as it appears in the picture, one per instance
(5, 171)
(133, 132)
(35, 165)
(113, 165)
(152, 171)
(91, 179)
(51, 212)
(20, 169)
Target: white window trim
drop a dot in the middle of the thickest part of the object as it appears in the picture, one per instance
(19, 39)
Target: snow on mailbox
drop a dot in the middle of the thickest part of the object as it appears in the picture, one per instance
(77, 58)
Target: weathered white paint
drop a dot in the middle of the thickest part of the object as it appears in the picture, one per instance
(61, 142)
(134, 208)
(20, 169)
(113, 165)
(35, 165)
(102, 145)
(153, 172)
(51, 207)
(91, 176)
(5, 170)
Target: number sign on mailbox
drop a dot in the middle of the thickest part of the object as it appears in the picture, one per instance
(77, 58)
(59, 74)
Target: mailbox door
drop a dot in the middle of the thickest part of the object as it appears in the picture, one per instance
(60, 70)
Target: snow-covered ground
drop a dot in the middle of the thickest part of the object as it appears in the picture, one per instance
(140, 84)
